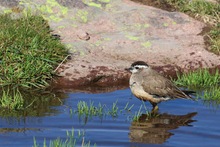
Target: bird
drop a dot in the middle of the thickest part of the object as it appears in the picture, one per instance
(148, 85)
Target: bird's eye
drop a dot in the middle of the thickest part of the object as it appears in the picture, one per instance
(136, 67)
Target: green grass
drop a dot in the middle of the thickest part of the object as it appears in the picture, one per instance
(202, 80)
(137, 114)
(127, 107)
(114, 110)
(11, 100)
(28, 56)
(209, 13)
(205, 11)
(212, 95)
(88, 109)
(214, 36)
(28, 52)
(198, 79)
(32, 103)
(202, 10)
(85, 109)
(72, 137)
(198, 8)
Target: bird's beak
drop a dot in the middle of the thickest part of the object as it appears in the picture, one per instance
(128, 69)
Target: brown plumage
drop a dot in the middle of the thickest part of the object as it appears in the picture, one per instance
(156, 84)
(148, 85)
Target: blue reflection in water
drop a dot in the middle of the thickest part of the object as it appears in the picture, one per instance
(201, 130)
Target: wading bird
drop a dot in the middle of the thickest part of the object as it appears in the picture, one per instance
(148, 85)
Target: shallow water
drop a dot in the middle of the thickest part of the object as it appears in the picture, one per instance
(179, 123)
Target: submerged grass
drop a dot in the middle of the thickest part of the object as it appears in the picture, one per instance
(28, 51)
(127, 107)
(114, 110)
(137, 114)
(72, 137)
(88, 109)
(212, 94)
(83, 108)
(12, 100)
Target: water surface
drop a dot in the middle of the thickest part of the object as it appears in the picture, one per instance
(179, 122)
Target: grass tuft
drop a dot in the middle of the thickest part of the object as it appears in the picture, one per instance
(28, 51)
(214, 36)
(208, 12)
(70, 141)
(12, 100)
(203, 80)
(140, 112)
(198, 79)
(83, 108)
(88, 110)
(212, 94)
(137, 114)
(114, 111)
(127, 107)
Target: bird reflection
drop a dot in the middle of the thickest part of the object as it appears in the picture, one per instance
(154, 127)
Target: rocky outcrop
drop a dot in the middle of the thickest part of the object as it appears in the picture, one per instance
(105, 36)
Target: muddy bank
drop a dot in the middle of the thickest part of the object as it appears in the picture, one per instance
(94, 83)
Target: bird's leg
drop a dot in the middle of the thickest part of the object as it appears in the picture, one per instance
(155, 107)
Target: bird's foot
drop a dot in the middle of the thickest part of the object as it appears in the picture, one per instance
(155, 109)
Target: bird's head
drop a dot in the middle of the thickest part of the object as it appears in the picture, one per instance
(137, 67)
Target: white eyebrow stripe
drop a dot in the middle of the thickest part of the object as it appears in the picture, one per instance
(141, 66)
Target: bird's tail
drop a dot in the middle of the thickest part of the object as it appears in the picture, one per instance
(189, 93)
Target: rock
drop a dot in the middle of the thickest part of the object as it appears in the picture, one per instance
(83, 35)
(106, 36)
(125, 32)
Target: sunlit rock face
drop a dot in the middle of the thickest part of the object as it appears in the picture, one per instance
(106, 36)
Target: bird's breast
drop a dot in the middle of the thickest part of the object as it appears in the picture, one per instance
(140, 93)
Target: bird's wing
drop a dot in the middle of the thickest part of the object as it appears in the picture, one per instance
(161, 87)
